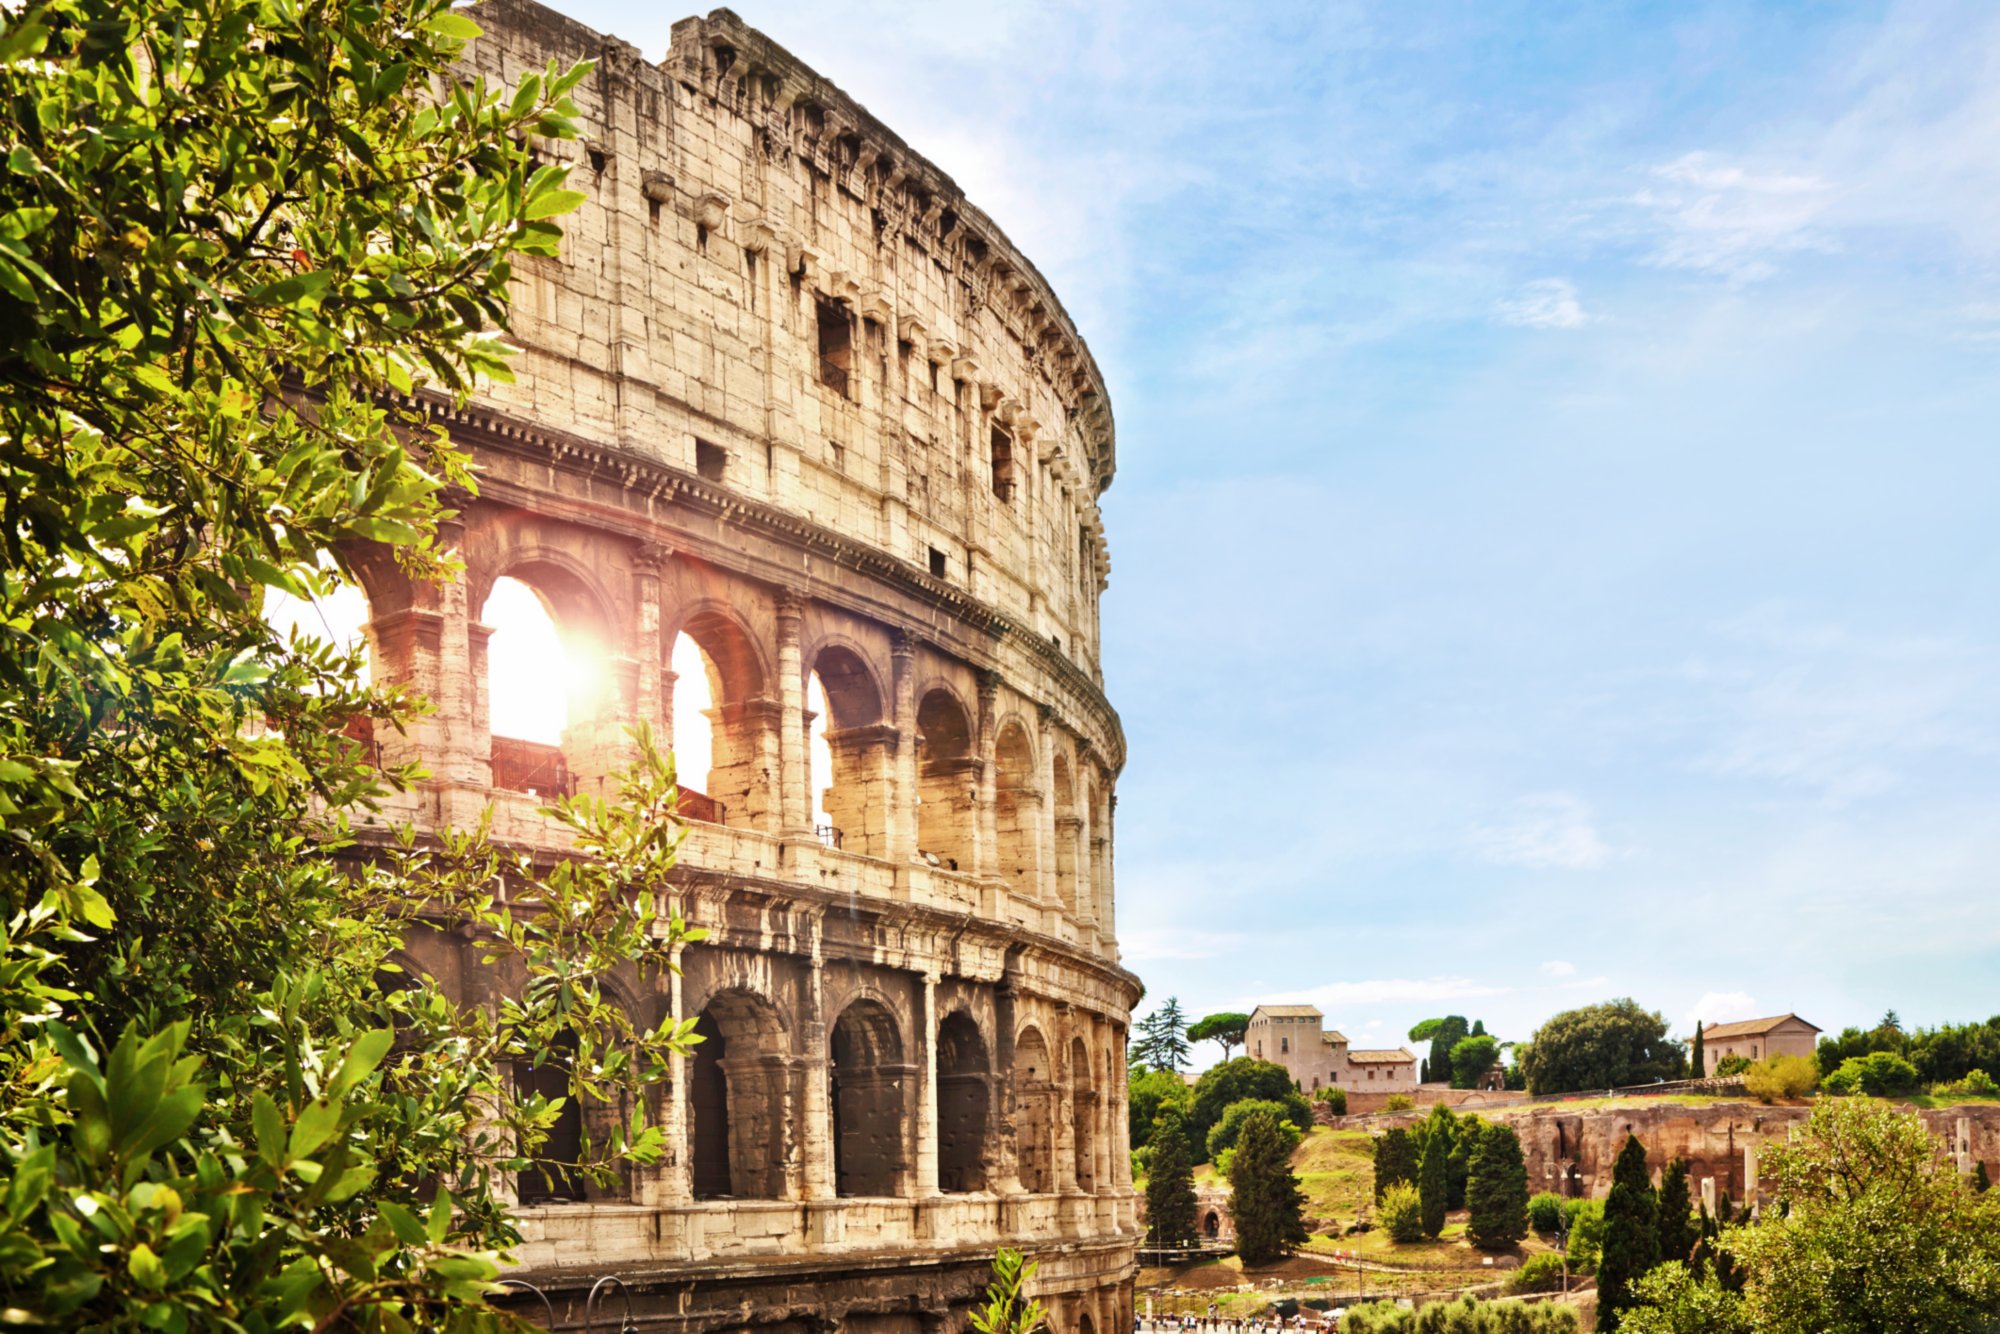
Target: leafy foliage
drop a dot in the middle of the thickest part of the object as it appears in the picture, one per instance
(1677, 1228)
(1538, 1273)
(1863, 1180)
(1335, 1098)
(1149, 1093)
(1396, 1160)
(1585, 1242)
(1007, 1310)
(1496, 1196)
(1443, 1034)
(1672, 1299)
(1697, 1057)
(1731, 1065)
(1545, 1212)
(1163, 1041)
(1880, 1074)
(1224, 1134)
(1222, 1086)
(1401, 1213)
(1599, 1047)
(1631, 1234)
(1265, 1199)
(1433, 1176)
(1225, 1029)
(1170, 1199)
(1941, 1055)
(236, 237)
(1465, 1316)
(1781, 1077)
(1471, 1058)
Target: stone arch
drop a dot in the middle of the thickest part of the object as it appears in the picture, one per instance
(732, 703)
(964, 1095)
(868, 1076)
(1069, 834)
(553, 1178)
(1017, 808)
(510, 671)
(1085, 1325)
(855, 793)
(1083, 1115)
(738, 1085)
(1095, 873)
(1034, 1112)
(1211, 1224)
(947, 779)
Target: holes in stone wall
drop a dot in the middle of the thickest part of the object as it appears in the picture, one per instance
(938, 565)
(1000, 455)
(711, 461)
(836, 346)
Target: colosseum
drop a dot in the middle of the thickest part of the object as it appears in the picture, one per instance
(809, 457)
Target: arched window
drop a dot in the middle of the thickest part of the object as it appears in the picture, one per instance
(849, 754)
(868, 1077)
(1083, 1115)
(947, 781)
(541, 678)
(725, 728)
(553, 1178)
(738, 1084)
(1017, 809)
(1034, 1113)
(962, 1102)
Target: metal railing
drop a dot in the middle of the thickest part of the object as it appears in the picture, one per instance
(828, 836)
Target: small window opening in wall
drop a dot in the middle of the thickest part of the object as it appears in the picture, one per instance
(711, 461)
(836, 346)
(750, 277)
(937, 563)
(701, 238)
(836, 456)
(597, 160)
(1002, 453)
(934, 371)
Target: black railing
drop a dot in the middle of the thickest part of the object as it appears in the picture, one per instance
(828, 836)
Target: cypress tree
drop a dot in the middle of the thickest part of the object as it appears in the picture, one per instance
(1395, 1160)
(1170, 1202)
(1458, 1168)
(1265, 1199)
(1981, 1183)
(1497, 1192)
(1631, 1235)
(1700, 1071)
(1678, 1231)
(1434, 1179)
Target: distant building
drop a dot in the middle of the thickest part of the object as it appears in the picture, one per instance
(1296, 1037)
(1757, 1040)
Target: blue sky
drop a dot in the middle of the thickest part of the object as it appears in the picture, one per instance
(1554, 539)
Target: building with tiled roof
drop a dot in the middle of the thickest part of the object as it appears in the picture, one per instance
(1296, 1037)
(1757, 1040)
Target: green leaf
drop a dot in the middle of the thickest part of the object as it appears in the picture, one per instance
(455, 27)
(145, 1268)
(362, 1058)
(552, 203)
(317, 1123)
(269, 1124)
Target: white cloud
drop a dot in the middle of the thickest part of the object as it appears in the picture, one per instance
(1548, 830)
(1384, 991)
(1546, 303)
(1720, 1007)
(1559, 968)
(1723, 219)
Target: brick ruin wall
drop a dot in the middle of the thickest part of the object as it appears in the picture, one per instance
(789, 394)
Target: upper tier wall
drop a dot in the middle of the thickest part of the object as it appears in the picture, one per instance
(768, 288)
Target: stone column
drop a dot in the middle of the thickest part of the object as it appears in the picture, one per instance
(816, 1144)
(677, 1170)
(1064, 1093)
(652, 698)
(794, 768)
(903, 790)
(1107, 903)
(927, 1101)
(984, 862)
(435, 647)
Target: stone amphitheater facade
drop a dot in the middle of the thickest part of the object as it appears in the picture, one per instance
(787, 392)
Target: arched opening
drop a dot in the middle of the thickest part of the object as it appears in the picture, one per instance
(1017, 809)
(1034, 1113)
(962, 1101)
(1069, 830)
(868, 1077)
(725, 729)
(1085, 1325)
(947, 779)
(553, 1177)
(1083, 1114)
(338, 618)
(737, 1096)
(543, 676)
(1211, 1225)
(849, 754)
(1090, 893)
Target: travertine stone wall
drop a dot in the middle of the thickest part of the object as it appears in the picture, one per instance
(788, 393)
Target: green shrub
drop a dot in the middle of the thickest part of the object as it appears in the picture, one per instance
(1731, 1065)
(1465, 1316)
(1402, 1212)
(1879, 1074)
(1781, 1077)
(1545, 1213)
(1538, 1273)
(1977, 1083)
(1334, 1096)
(1399, 1102)
(1586, 1234)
